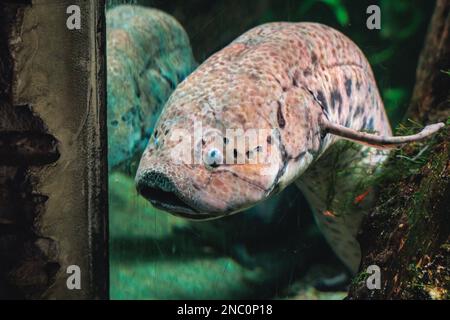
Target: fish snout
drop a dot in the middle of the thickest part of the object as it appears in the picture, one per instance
(158, 188)
(163, 193)
(154, 179)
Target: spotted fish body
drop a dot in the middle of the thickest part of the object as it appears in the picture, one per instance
(300, 80)
(148, 54)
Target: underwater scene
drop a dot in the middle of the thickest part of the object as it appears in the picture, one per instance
(287, 228)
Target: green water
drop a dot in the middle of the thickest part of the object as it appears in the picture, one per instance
(154, 256)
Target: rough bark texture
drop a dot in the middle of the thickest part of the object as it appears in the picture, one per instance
(431, 96)
(52, 150)
(407, 234)
(28, 260)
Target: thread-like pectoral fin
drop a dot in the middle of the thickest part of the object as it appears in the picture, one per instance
(338, 232)
(378, 141)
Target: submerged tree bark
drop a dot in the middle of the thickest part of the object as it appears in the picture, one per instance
(53, 171)
(407, 235)
(431, 96)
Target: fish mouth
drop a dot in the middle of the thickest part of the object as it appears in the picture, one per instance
(171, 202)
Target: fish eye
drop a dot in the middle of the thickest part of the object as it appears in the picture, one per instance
(213, 158)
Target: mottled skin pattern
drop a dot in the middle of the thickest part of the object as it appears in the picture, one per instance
(291, 77)
(148, 54)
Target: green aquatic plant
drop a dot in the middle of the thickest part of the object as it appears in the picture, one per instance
(340, 11)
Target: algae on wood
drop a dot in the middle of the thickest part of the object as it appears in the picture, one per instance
(408, 232)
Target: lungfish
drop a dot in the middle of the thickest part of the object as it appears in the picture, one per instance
(312, 89)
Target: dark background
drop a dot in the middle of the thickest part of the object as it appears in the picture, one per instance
(392, 51)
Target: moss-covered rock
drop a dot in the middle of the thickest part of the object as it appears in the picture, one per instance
(408, 232)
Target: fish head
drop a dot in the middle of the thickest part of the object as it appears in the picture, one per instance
(202, 163)
(218, 147)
